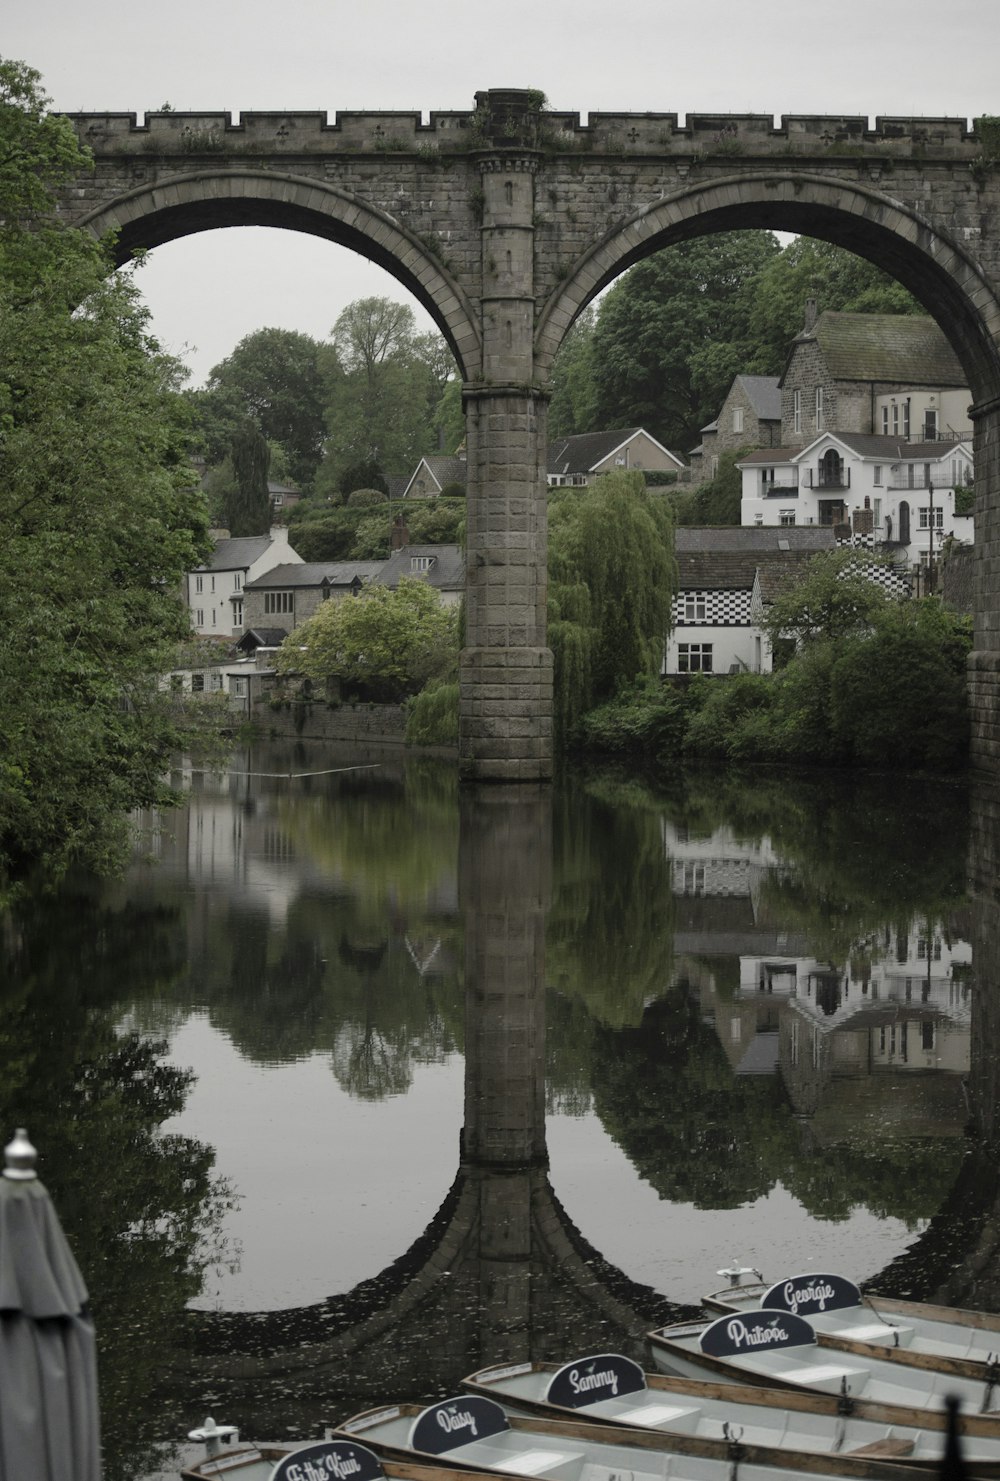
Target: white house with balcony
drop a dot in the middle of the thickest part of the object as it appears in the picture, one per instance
(870, 489)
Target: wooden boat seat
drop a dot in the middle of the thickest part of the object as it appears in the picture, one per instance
(682, 1417)
(886, 1333)
(523, 1463)
(828, 1377)
(887, 1449)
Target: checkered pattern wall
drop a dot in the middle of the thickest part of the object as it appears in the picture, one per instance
(712, 609)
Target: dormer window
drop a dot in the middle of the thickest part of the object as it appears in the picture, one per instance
(420, 563)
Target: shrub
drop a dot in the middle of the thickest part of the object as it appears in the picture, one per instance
(432, 716)
(363, 498)
(650, 719)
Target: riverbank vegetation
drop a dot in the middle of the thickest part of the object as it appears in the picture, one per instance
(101, 514)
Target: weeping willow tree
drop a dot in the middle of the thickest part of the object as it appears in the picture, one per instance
(612, 578)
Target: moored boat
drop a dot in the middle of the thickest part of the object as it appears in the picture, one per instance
(780, 1350)
(304, 1460)
(475, 1433)
(611, 1389)
(913, 1333)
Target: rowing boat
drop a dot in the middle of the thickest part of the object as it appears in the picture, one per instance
(476, 1434)
(611, 1389)
(911, 1333)
(780, 1350)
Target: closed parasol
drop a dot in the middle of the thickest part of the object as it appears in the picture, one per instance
(48, 1362)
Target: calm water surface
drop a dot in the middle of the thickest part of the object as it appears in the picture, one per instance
(359, 1081)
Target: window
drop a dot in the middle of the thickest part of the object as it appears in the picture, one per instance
(215, 683)
(895, 420)
(906, 417)
(421, 562)
(885, 421)
(786, 517)
(694, 658)
(797, 410)
(737, 419)
(694, 879)
(238, 686)
(877, 506)
(819, 408)
(930, 425)
(238, 581)
(924, 518)
(758, 519)
(877, 480)
(197, 683)
(198, 582)
(279, 601)
(237, 614)
(694, 608)
(199, 617)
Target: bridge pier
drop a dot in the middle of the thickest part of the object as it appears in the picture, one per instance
(984, 661)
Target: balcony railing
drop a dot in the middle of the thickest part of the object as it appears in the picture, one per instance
(828, 478)
(918, 480)
(781, 491)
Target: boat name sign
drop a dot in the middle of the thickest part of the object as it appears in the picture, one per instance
(455, 1422)
(729, 1336)
(587, 1380)
(805, 1294)
(340, 1458)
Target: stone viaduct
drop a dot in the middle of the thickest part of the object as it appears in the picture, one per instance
(506, 220)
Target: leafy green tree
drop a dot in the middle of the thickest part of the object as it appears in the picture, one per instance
(611, 584)
(247, 503)
(273, 379)
(101, 516)
(391, 642)
(384, 385)
(835, 598)
(572, 408)
(717, 502)
(674, 331)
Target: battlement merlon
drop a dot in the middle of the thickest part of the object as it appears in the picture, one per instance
(636, 134)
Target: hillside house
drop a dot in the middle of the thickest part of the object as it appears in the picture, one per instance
(214, 592)
(434, 474)
(726, 578)
(749, 417)
(284, 597)
(891, 375)
(441, 566)
(580, 460)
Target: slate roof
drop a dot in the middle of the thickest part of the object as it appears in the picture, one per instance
(447, 573)
(764, 394)
(236, 553)
(582, 452)
(444, 468)
(314, 573)
(728, 558)
(909, 348)
(262, 637)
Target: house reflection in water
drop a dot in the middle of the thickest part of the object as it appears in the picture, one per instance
(879, 1041)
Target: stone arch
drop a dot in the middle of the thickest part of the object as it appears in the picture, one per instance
(202, 200)
(940, 273)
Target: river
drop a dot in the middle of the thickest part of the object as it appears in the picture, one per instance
(359, 1080)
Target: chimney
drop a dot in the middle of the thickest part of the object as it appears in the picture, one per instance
(279, 534)
(399, 535)
(811, 316)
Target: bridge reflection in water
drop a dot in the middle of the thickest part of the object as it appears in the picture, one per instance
(501, 1268)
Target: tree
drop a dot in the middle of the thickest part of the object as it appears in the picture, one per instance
(101, 516)
(385, 383)
(247, 502)
(835, 599)
(611, 584)
(571, 410)
(391, 642)
(674, 331)
(273, 379)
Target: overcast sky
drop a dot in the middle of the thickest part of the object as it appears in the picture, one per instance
(773, 56)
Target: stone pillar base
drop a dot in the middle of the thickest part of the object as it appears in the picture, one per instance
(505, 714)
(984, 710)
